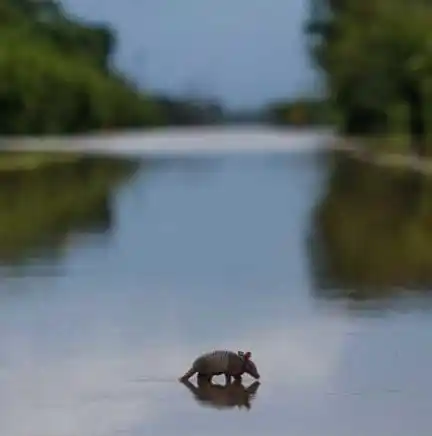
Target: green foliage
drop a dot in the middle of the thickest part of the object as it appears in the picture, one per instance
(93, 45)
(377, 60)
(55, 76)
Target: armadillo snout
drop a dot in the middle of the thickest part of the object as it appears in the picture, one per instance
(252, 370)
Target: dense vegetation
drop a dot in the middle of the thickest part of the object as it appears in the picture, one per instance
(300, 112)
(56, 76)
(377, 61)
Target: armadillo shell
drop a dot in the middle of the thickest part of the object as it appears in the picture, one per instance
(219, 362)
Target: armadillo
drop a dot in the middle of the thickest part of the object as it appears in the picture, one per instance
(225, 362)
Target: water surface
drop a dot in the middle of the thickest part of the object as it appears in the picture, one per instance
(116, 273)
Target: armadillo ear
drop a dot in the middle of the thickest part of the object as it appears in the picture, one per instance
(247, 355)
(240, 353)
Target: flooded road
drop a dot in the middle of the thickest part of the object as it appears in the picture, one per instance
(116, 273)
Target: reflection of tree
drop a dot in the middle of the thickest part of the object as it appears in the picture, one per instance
(372, 232)
(223, 396)
(40, 208)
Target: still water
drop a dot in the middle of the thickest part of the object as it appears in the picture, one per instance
(115, 273)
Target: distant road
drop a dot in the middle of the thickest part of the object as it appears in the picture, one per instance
(213, 139)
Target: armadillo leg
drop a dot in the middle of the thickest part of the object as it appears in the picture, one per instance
(205, 377)
(187, 375)
(227, 379)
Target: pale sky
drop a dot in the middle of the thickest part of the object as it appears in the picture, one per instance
(242, 51)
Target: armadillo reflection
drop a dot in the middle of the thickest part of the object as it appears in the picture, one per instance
(225, 362)
(220, 397)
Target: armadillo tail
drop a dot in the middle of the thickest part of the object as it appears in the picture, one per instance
(188, 374)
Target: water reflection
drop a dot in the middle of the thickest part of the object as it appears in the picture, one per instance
(372, 233)
(217, 396)
(41, 208)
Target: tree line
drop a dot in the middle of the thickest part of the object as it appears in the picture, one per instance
(56, 76)
(376, 59)
(300, 112)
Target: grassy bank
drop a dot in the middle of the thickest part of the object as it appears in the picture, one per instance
(28, 161)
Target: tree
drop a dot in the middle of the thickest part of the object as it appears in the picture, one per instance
(55, 74)
(374, 56)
